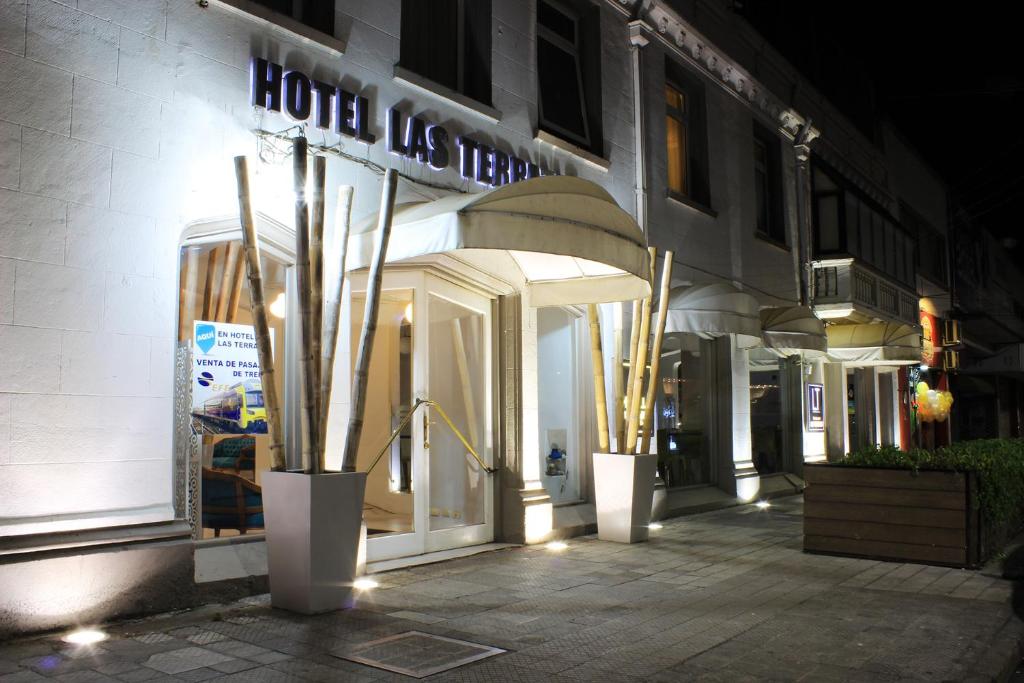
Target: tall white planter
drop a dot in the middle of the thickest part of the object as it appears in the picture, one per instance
(624, 492)
(313, 523)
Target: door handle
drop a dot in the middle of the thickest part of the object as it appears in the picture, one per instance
(426, 430)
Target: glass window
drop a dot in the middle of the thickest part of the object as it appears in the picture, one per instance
(766, 421)
(852, 226)
(867, 235)
(890, 249)
(675, 139)
(828, 223)
(878, 228)
(228, 411)
(682, 406)
(768, 206)
(317, 14)
(449, 42)
(563, 104)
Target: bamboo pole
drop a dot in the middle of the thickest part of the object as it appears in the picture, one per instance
(641, 365)
(332, 313)
(251, 247)
(361, 376)
(236, 289)
(211, 270)
(659, 335)
(307, 398)
(225, 282)
(316, 276)
(617, 388)
(634, 338)
(597, 360)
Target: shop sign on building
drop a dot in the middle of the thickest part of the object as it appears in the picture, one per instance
(227, 395)
(931, 341)
(333, 108)
(815, 407)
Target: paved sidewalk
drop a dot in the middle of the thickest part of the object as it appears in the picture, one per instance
(723, 596)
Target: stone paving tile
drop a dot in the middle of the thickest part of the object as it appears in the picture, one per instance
(724, 596)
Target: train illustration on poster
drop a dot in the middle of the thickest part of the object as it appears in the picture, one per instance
(227, 395)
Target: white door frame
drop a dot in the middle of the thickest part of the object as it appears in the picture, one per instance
(421, 540)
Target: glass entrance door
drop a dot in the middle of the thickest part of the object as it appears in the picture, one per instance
(427, 491)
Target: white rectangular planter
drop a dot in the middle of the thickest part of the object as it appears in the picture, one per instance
(624, 492)
(313, 524)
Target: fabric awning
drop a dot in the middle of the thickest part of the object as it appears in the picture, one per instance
(561, 238)
(793, 331)
(875, 343)
(714, 310)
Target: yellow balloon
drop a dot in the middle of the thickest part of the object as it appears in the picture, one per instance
(922, 388)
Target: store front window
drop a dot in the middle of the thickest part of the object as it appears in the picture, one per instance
(558, 404)
(227, 413)
(766, 421)
(684, 412)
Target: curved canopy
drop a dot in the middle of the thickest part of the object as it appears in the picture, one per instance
(793, 331)
(562, 239)
(877, 343)
(714, 310)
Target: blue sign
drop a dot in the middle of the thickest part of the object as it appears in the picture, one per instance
(206, 337)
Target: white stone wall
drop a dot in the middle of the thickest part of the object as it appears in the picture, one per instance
(118, 125)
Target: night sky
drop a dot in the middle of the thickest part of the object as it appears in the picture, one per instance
(951, 77)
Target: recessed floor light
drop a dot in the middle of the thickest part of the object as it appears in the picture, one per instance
(85, 636)
(655, 525)
(763, 504)
(557, 545)
(365, 584)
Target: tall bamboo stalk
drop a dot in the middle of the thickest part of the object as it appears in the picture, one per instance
(597, 360)
(223, 292)
(659, 335)
(641, 365)
(211, 273)
(634, 338)
(332, 313)
(236, 289)
(316, 276)
(307, 395)
(617, 389)
(259, 314)
(361, 377)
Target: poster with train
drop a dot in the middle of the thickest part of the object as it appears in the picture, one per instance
(227, 395)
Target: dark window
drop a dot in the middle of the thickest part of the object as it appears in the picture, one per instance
(685, 136)
(316, 14)
(932, 245)
(768, 203)
(449, 42)
(847, 222)
(569, 72)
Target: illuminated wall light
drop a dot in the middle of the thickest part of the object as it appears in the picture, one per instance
(85, 636)
(365, 584)
(277, 308)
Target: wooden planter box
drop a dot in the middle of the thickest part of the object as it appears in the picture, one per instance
(928, 517)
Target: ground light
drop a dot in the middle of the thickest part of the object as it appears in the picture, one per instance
(655, 526)
(85, 636)
(365, 584)
(557, 545)
(763, 504)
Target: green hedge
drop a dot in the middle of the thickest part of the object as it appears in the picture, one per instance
(998, 462)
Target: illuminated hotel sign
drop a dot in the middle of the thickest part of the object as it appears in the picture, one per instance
(332, 108)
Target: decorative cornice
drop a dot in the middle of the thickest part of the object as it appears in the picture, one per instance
(686, 41)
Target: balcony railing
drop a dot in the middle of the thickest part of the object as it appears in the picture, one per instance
(842, 286)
